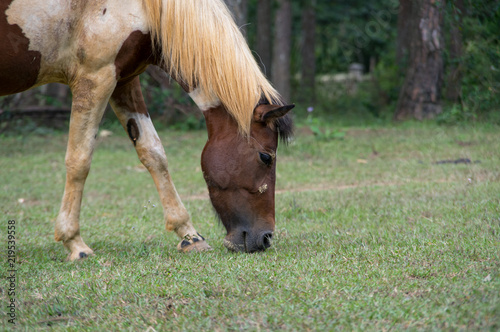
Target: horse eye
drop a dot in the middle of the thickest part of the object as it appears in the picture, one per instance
(266, 158)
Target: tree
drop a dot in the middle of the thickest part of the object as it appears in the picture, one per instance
(420, 95)
(282, 48)
(308, 54)
(403, 38)
(264, 34)
(454, 80)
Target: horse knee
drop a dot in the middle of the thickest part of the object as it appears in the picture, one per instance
(78, 167)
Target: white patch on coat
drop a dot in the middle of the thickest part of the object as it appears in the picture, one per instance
(204, 102)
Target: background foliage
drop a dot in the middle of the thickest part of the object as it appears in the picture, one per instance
(348, 32)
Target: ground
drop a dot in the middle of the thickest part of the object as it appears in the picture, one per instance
(372, 234)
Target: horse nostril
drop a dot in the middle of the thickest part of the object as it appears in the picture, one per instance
(266, 240)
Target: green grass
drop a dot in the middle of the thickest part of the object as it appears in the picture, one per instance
(371, 234)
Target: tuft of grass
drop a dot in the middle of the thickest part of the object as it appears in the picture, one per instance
(371, 234)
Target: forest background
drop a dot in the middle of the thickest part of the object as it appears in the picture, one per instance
(348, 61)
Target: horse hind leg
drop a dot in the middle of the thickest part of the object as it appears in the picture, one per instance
(128, 104)
(90, 97)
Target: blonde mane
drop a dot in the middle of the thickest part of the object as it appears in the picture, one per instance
(202, 47)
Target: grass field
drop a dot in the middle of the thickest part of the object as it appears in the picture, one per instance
(371, 234)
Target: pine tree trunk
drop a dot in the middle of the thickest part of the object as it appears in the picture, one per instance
(264, 35)
(282, 48)
(454, 80)
(420, 96)
(307, 89)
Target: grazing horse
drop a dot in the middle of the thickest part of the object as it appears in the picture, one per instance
(99, 47)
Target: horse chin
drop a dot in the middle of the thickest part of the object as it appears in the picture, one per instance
(248, 241)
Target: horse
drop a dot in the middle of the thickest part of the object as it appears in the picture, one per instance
(99, 48)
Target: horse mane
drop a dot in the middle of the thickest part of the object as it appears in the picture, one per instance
(203, 48)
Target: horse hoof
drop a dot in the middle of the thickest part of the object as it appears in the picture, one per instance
(193, 244)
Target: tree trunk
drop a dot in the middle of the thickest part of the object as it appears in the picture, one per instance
(454, 80)
(264, 37)
(403, 38)
(308, 52)
(239, 8)
(282, 48)
(421, 92)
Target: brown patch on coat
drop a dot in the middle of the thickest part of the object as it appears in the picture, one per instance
(135, 55)
(128, 96)
(19, 67)
(133, 130)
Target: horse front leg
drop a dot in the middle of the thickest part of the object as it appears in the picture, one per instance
(128, 104)
(90, 97)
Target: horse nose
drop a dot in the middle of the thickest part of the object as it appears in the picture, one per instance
(245, 241)
(265, 240)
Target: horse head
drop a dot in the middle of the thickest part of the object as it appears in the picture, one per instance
(240, 172)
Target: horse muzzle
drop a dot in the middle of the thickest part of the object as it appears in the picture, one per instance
(248, 241)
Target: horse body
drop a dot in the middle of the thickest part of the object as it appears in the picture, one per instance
(99, 48)
(66, 40)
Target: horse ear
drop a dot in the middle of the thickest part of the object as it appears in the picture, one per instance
(267, 113)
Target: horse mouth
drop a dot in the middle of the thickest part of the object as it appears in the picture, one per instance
(234, 247)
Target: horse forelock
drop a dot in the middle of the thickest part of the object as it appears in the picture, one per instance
(202, 46)
(284, 126)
